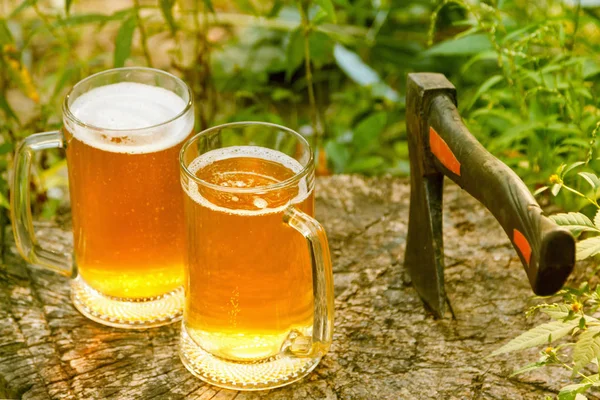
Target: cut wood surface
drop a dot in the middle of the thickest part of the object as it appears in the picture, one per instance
(386, 345)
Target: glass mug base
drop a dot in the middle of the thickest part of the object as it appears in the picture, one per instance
(271, 373)
(123, 313)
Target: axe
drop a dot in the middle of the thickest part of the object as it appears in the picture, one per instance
(440, 144)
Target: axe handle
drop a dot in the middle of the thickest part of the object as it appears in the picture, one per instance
(546, 250)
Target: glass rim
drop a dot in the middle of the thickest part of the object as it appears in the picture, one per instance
(274, 186)
(68, 114)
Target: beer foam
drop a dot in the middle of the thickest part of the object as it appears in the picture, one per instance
(124, 106)
(246, 151)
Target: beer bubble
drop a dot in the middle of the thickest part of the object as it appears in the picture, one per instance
(260, 203)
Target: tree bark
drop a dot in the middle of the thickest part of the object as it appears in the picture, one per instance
(386, 344)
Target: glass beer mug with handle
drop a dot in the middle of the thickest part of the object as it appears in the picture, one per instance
(122, 131)
(259, 284)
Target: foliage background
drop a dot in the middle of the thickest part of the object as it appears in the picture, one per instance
(527, 73)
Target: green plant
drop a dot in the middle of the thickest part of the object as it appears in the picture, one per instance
(575, 315)
(530, 70)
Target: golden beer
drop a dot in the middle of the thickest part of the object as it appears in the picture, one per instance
(258, 310)
(122, 130)
(249, 278)
(126, 197)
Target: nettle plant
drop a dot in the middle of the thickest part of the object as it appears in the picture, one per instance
(575, 314)
(528, 74)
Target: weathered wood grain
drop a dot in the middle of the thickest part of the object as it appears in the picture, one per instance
(386, 346)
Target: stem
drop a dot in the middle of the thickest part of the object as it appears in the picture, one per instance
(314, 115)
(578, 193)
(144, 38)
(571, 43)
(585, 377)
(590, 154)
(3, 223)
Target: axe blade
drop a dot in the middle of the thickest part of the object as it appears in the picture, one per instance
(424, 256)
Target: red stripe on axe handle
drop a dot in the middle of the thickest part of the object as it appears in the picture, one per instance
(522, 244)
(442, 151)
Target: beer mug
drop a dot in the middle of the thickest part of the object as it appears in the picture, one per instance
(122, 131)
(259, 287)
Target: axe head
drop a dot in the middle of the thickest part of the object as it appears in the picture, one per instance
(424, 256)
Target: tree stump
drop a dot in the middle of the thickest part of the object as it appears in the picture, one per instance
(386, 345)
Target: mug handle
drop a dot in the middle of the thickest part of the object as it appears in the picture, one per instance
(20, 205)
(322, 277)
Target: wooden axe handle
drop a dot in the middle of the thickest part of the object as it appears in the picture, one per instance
(547, 251)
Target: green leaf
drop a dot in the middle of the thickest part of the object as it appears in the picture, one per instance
(66, 76)
(281, 94)
(537, 336)
(571, 167)
(328, 7)
(367, 132)
(294, 52)
(485, 56)
(575, 222)
(487, 85)
(123, 41)
(5, 35)
(592, 179)
(590, 68)
(588, 247)
(21, 7)
(82, 19)
(6, 148)
(562, 311)
(516, 133)
(4, 201)
(354, 66)
(68, 4)
(339, 154)
(246, 6)
(4, 106)
(366, 164)
(527, 368)
(570, 392)
(166, 7)
(275, 9)
(555, 189)
(321, 49)
(208, 4)
(556, 311)
(359, 72)
(587, 348)
(465, 45)
(90, 18)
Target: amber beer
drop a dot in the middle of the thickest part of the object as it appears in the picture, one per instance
(249, 283)
(125, 192)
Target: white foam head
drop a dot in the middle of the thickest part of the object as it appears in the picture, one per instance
(246, 151)
(124, 106)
